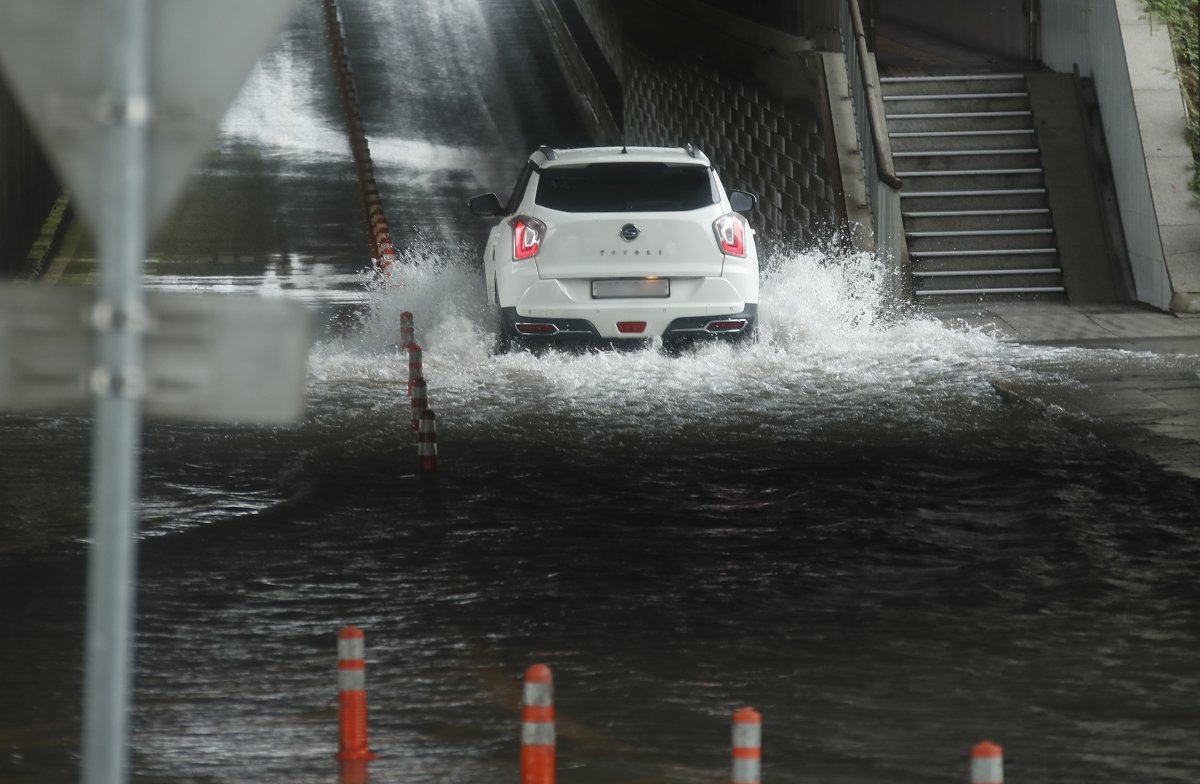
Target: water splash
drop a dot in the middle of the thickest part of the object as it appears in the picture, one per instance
(829, 348)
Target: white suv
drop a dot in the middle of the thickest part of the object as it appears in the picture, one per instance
(620, 243)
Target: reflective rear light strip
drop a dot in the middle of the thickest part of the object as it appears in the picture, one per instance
(726, 325)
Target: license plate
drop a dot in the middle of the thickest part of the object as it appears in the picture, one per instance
(622, 288)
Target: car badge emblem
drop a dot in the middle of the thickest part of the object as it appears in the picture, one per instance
(629, 232)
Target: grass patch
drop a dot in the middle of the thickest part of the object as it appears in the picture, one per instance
(1181, 19)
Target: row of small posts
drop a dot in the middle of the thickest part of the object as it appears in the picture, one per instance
(538, 740)
(423, 420)
(383, 252)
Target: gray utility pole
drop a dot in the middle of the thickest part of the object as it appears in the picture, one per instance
(118, 383)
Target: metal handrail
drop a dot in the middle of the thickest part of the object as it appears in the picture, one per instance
(874, 102)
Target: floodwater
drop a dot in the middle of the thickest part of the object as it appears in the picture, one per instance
(841, 524)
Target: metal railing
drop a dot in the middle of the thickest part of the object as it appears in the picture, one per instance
(883, 185)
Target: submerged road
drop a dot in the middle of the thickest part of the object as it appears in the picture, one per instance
(843, 525)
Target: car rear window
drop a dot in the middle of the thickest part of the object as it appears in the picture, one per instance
(625, 187)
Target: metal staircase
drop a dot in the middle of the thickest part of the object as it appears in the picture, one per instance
(976, 215)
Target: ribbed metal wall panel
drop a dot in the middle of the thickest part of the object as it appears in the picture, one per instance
(997, 26)
(1087, 34)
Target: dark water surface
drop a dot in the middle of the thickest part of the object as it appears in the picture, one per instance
(842, 525)
(866, 544)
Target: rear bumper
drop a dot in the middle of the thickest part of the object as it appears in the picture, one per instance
(542, 329)
(569, 303)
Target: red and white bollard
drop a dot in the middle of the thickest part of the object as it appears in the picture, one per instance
(987, 763)
(747, 746)
(537, 727)
(352, 696)
(420, 402)
(407, 333)
(415, 368)
(427, 442)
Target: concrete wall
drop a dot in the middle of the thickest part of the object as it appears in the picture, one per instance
(27, 185)
(997, 26)
(1128, 56)
(758, 110)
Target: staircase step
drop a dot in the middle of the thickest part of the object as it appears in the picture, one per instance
(976, 220)
(998, 291)
(934, 85)
(933, 298)
(995, 241)
(959, 262)
(996, 199)
(976, 273)
(965, 103)
(929, 122)
(930, 254)
(931, 160)
(947, 141)
(972, 179)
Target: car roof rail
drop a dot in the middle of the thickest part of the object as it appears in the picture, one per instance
(548, 151)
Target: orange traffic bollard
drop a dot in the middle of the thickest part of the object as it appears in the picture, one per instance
(352, 696)
(987, 763)
(427, 442)
(747, 746)
(537, 727)
(352, 772)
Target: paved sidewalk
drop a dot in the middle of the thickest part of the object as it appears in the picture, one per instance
(1155, 410)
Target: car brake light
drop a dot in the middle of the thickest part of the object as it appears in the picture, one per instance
(527, 236)
(731, 234)
(631, 327)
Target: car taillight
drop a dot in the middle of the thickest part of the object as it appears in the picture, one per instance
(527, 236)
(731, 234)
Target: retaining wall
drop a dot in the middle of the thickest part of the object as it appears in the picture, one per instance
(755, 102)
(28, 187)
(1127, 53)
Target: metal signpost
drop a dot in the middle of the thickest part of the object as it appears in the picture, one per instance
(125, 95)
(116, 381)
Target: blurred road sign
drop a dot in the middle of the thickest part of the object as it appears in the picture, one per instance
(215, 357)
(201, 51)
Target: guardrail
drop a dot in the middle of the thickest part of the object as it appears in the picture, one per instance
(883, 185)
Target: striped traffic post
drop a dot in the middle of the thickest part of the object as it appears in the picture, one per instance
(407, 333)
(352, 696)
(747, 746)
(420, 402)
(537, 727)
(415, 367)
(987, 763)
(427, 442)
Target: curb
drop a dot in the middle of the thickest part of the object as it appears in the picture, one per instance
(54, 228)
